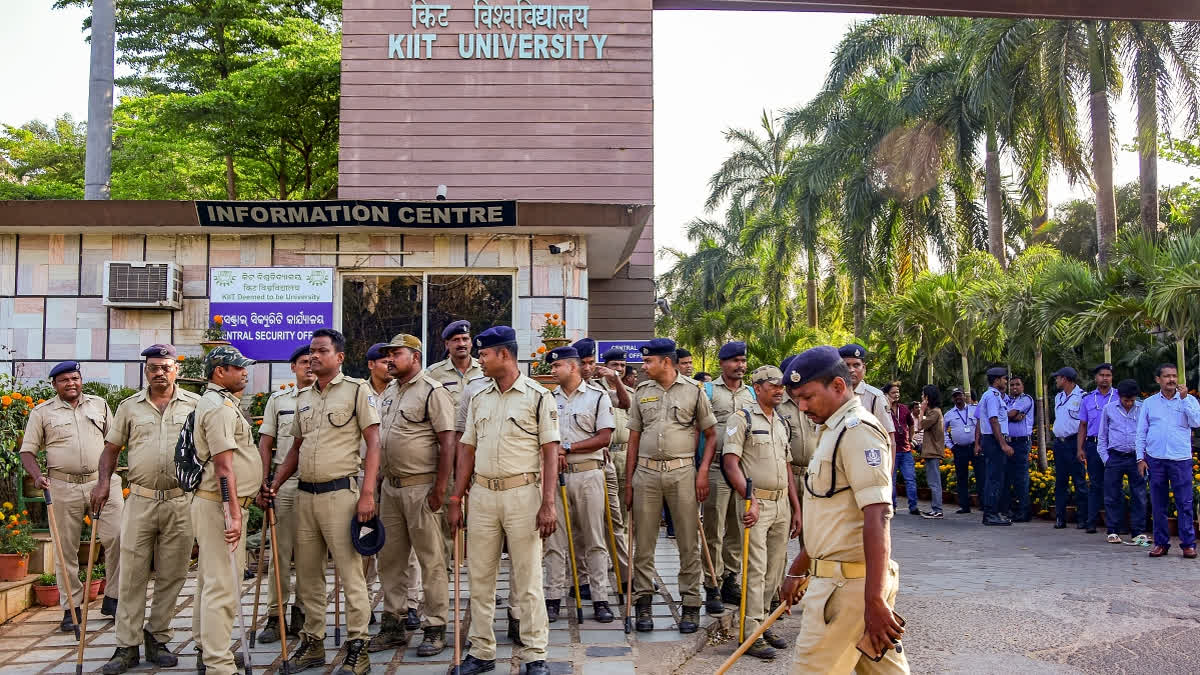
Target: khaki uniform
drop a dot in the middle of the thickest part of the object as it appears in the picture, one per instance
(457, 384)
(411, 576)
(414, 414)
(763, 447)
(666, 472)
(857, 470)
(803, 439)
(330, 422)
(221, 427)
(506, 431)
(721, 511)
(73, 438)
(614, 476)
(277, 423)
(157, 521)
(581, 416)
(876, 403)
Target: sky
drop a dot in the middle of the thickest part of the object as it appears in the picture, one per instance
(712, 71)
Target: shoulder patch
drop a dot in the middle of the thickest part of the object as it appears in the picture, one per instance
(873, 456)
(229, 403)
(730, 431)
(852, 421)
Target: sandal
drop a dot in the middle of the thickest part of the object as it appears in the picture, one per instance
(1114, 538)
(1140, 540)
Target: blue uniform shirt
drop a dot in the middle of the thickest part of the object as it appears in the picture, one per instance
(1164, 429)
(1118, 428)
(1024, 405)
(960, 426)
(1066, 412)
(992, 405)
(1091, 407)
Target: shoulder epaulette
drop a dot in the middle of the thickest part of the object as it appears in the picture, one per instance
(355, 380)
(43, 404)
(643, 384)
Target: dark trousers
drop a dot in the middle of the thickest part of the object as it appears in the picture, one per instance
(995, 462)
(1123, 466)
(964, 460)
(1095, 478)
(1067, 467)
(1015, 495)
(1172, 475)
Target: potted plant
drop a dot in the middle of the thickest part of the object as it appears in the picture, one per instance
(97, 586)
(45, 589)
(554, 332)
(214, 335)
(16, 543)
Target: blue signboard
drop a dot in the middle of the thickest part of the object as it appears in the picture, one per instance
(270, 311)
(633, 348)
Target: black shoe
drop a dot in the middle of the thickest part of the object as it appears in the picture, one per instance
(914, 511)
(472, 665)
(270, 632)
(109, 606)
(514, 631)
(296, 622)
(68, 624)
(645, 615)
(553, 607)
(157, 652)
(965, 509)
(730, 593)
(712, 601)
(761, 650)
(689, 621)
(585, 592)
(122, 660)
(1060, 523)
(536, 668)
(601, 612)
(1080, 525)
(411, 620)
(773, 639)
(1022, 519)
(996, 520)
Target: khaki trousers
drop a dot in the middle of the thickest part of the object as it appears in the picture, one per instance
(494, 516)
(768, 551)
(413, 530)
(72, 501)
(285, 536)
(831, 624)
(585, 494)
(218, 589)
(614, 482)
(677, 488)
(160, 531)
(721, 529)
(322, 529)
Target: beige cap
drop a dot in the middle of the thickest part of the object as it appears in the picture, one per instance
(406, 340)
(768, 374)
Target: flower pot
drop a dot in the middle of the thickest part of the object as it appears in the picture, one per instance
(546, 381)
(924, 493)
(554, 343)
(103, 584)
(14, 566)
(29, 488)
(210, 345)
(47, 596)
(94, 589)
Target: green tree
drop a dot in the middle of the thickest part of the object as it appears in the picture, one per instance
(42, 161)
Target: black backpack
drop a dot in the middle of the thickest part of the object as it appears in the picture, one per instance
(188, 468)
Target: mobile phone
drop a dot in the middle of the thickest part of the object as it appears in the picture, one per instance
(863, 643)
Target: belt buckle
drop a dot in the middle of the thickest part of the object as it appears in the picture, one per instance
(493, 484)
(160, 495)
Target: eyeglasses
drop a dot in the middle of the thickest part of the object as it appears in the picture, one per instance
(160, 369)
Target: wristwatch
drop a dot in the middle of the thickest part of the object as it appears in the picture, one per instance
(566, 445)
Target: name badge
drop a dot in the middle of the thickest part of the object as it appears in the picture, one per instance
(648, 399)
(306, 408)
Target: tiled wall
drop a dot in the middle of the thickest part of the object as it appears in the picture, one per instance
(50, 290)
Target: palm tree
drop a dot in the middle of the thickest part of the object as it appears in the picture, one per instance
(1174, 293)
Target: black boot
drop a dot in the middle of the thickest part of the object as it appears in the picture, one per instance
(730, 593)
(434, 641)
(1060, 523)
(689, 621)
(553, 608)
(536, 668)
(109, 606)
(412, 620)
(602, 612)
(471, 666)
(773, 639)
(296, 622)
(157, 652)
(645, 614)
(270, 632)
(712, 601)
(514, 630)
(585, 592)
(122, 660)
(357, 662)
(68, 623)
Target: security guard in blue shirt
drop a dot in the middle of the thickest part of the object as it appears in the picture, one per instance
(961, 434)
(1067, 405)
(992, 415)
(1020, 434)
(1090, 411)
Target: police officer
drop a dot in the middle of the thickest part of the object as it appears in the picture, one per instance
(585, 425)
(872, 399)
(1090, 410)
(332, 417)
(729, 393)
(274, 441)
(847, 510)
(621, 397)
(802, 441)
(992, 418)
(70, 427)
(225, 445)
(1068, 404)
(961, 432)
(1020, 432)
(509, 458)
(757, 446)
(660, 468)
(156, 523)
(418, 447)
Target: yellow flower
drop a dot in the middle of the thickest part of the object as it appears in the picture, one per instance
(14, 518)
(8, 505)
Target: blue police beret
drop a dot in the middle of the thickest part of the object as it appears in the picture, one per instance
(560, 353)
(586, 347)
(496, 336)
(783, 367)
(302, 350)
(460, 327)
(160, 351)
(998, 371)
(1067, 372)
(371, 542)
(614, 354)
(377, 351)
(659, 347)
(811, 364)
(64, 367)
(682, 353)
(853, 351)
(732, 350)
(1102, 366)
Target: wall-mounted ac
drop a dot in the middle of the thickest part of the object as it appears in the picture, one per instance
(138, 284)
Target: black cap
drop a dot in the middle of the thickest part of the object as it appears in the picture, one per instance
(1128, 388)
(586, 347)
(998, 371)
(460, 327)
(368, 543)
(302, 350)
(560, 353)
(1067, 372)
(853, 351)
(160, 351)
(1102, 366)
(614, 354)
(811, 364)
(660, 347)
(496, 336)
(64, 367)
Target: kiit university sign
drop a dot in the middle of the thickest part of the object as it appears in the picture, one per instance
(542, 32)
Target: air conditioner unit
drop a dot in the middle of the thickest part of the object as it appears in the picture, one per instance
(138, 284)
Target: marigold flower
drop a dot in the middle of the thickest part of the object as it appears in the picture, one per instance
(87, 520)
(218, 319)
(181, 357)
(8, 505)
(547, 315)
(541, 349)
(125, 492)
(5, 401)
(535, 364)
(555, 316)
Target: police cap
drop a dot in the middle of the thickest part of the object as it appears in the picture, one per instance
(811, 364)
(369, 542)
(614, 354)
(586, 347)
(460, 327)
(853, 351)
(377, 351)
(1067, 372)
(732, 350)
(660, 347)
(495, 337)
(768, 374)
(998, 371)
(160, 351)
(225, 355)
(64, 367)
(404, 340)
(302, 350)
(560, 353)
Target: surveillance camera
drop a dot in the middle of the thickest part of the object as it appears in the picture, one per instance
(663, 305)
(562, 247)
(441, 193)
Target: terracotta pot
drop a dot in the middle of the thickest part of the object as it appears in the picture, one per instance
(553, 343)
(94, 589)
(103, 584)
(47, 596)
(546, 381)
(14, 566)
(29, 488)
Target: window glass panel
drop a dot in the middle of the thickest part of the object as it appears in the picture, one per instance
(374, 308)
(485, 300)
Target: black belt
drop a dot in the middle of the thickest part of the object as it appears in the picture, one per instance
(327, 486)
(1122, 453)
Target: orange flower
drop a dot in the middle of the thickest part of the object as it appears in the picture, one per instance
(87, 520)
(258, 423)
(283, 386)
(547, 315)
(24, 512)
(16, 532)
(125, 492)
(535, 364)
(218, 319)
(5, 401)
(41, 401)
(181, 357)
(555, 316)
(541, 349)
(25, 413)
(28, 398)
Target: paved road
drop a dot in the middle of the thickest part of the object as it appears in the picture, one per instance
(1028, 599)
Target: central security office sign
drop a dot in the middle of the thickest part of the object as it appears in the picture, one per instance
(358, 213)
(633, 348)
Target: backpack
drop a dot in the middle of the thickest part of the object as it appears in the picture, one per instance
(188, 468)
